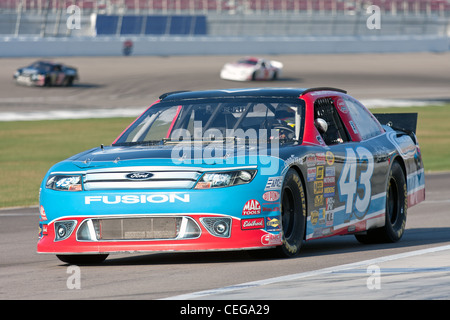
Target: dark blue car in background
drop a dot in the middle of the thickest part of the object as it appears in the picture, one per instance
(45, 73)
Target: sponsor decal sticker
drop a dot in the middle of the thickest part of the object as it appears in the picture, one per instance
(330, 204)
(251, 207)
(329, 181)
(311, 160)
(318, 187)
(320, 232)
(42, 213)
(314, 217)
(44, 230)
(322, 216)
(320, 158)
(271, 239)
(320, 140)
(352, 125)
(271, 209)
(311, 175)
(274, 183)
(256, 223)
(319, 173)
(318, 200)
(329, 218)
(341, 106)
(330, 172)
(273, 224)
(271, 196)
(330, 158)
(135, 198)
(329, 192)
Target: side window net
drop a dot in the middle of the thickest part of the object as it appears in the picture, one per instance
(324, 108)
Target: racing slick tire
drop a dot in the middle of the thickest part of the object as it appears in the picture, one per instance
(396, 210)
(48, 82)
(293, 215)
(68, 81)
(82, 259)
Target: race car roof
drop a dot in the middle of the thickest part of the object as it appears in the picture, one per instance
(241, 93)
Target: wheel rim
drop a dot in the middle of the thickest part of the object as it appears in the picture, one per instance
(288, 212)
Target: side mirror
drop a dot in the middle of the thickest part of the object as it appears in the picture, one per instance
(321, 125)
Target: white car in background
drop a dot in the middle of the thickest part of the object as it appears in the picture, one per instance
(251, 68)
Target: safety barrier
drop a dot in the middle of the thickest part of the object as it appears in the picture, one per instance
(207, 45)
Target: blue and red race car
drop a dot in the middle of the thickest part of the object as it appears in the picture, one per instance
(236, 169)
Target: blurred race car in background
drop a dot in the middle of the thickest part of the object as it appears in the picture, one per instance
(45, 73)
(251, 68)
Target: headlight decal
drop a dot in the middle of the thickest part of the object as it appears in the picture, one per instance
(64, 182)
(225, 179)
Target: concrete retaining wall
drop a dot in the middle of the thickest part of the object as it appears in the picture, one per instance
(170, 46)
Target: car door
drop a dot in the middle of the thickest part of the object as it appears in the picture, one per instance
(362, 183)
(261, 70)
(347, 192)
(56, 75)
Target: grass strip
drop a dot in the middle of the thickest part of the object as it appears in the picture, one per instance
(433, 133)
(29, 148)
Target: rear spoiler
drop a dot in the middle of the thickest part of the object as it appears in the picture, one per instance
(406, 122)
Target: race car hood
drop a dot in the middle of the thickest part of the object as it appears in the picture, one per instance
(166, 155)
(28, 71)
(242, 66)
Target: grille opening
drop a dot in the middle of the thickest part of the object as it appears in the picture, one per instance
(133, 229)
(141, 228)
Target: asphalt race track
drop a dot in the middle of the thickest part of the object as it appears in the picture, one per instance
(130, 82)
(417, 267)
(24, 274)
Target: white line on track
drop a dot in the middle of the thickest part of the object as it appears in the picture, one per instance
(136, 111)
(18, 214)
(296, 276)
(71, 114)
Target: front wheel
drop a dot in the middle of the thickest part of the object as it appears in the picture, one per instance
(293, 215)
(47, 82)
(396, 210)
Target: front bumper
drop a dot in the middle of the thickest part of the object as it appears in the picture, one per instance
(235, 75)
(245, 233)
(109, 216)
(28, 81)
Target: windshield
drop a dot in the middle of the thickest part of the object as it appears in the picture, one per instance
(40, 65)
(217, 120)
(248, 61)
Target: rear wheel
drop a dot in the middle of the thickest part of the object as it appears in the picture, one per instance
(82, 258)
(275, 76)
(396, 210)
(293, 215)
(68, 81)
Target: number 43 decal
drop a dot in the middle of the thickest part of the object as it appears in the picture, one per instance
(349, 184)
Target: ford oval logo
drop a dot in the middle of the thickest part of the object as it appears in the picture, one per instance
(139, 175)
